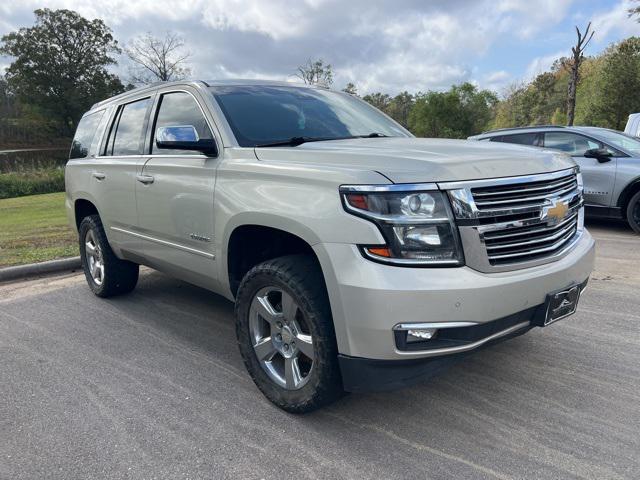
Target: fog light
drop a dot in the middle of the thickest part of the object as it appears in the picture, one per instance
(420, 334)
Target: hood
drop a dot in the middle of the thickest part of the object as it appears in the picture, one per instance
(415, 160)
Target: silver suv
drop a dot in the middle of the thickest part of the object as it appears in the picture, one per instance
(358, 257)
(609, 161)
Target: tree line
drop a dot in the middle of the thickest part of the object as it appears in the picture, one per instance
(61, 67)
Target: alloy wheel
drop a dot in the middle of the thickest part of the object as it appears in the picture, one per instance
(281, 338)
(93, 254)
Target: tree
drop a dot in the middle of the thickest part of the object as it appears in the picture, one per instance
(400, 107)
(60, 64)
(379, 100)
(635, 11)
(350, 89)
(158, 59)
(461, 111)
(618, 91)
(573, 67)
(316, 72)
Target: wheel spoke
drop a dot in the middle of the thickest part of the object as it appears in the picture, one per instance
(265, 309)
(289, 307)
(264, 349)
(292, 372)
(305, 344)
(91, 249)
(94, 269)
(101, 271)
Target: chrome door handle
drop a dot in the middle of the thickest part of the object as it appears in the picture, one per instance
(98, 175)
(146, 179)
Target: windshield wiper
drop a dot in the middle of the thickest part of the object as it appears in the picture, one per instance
(295, 141)
(372, 135)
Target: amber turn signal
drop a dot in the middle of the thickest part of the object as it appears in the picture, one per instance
(379, 251)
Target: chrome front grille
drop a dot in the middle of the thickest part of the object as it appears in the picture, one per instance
(511, 223)
(535, 241)
(495, 199)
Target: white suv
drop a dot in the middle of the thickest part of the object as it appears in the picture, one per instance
(359, 257)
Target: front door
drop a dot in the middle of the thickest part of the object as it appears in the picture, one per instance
(598, 178)
(174, 195)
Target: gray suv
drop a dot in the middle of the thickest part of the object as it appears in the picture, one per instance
(609, 161)
(358, 256)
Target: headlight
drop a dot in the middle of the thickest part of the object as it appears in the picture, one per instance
(416, 224)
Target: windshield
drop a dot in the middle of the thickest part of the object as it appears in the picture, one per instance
(620, 140)
(260, 114)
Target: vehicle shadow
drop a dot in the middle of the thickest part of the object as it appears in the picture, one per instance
(532, 393)
(610, 224)
(200, 320)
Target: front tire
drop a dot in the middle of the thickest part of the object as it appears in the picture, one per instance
(633, 212)
(106, 274)
(285, 333)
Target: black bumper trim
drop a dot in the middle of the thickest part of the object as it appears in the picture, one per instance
(370, 375)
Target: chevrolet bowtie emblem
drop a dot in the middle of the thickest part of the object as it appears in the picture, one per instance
(556, 212)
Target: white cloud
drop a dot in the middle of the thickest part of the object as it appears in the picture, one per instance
(532, 16)
(388, 45)
(615, 21)
(542, 64)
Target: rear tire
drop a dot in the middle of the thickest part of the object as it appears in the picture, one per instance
(106, 274)
(633, 212)
(285, 333)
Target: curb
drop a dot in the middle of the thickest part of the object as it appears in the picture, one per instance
(36, 269)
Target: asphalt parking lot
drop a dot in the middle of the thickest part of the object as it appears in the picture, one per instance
(151, 385)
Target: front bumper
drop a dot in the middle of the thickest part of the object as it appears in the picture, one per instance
(371, 375)
(368, 299)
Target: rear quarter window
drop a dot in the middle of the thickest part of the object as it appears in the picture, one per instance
(85, 133)
(520, 139)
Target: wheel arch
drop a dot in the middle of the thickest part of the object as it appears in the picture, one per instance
(629, 191)
(82, 208)
(255, 240)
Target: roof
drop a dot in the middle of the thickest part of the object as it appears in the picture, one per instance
(531, 127)
(536, 128)
(206, 83)
(247, 82)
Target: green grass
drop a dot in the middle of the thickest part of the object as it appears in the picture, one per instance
(35, 229)
(18, 184)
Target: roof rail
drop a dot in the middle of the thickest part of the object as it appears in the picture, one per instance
(522, 128)
(138, 90)
(124, 94)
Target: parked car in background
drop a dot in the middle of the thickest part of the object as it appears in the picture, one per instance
(633, 125)
(609, 161)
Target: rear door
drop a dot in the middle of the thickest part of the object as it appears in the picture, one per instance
(174, 194)
(599, 178)
(114, 171)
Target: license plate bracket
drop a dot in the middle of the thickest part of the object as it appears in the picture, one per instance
(561, 304)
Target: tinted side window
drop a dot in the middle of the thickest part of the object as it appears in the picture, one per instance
(84, 135)
(570, 143)
(126, 137)
(521, 139)
(179, 109)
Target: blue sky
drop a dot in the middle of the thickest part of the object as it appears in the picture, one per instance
(388, 46)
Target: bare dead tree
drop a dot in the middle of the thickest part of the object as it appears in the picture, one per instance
(572, 65)
(316, 72)
(156, 59)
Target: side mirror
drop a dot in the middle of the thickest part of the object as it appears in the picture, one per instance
(184, 137)
(601, 154)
